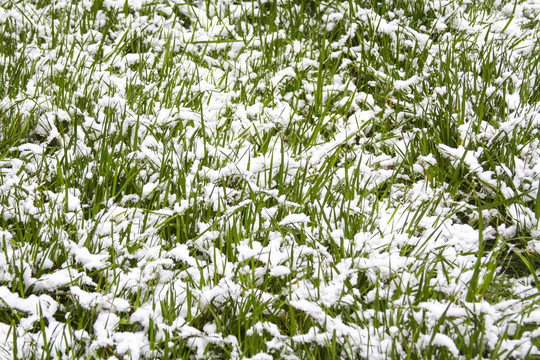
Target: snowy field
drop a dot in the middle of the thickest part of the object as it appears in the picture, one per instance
(269, 179)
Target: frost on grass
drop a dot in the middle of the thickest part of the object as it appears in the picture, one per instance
(269, 179)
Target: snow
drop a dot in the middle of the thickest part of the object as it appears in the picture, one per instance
(104, 327)
(294, 219)
(280, 270)
(442, 340)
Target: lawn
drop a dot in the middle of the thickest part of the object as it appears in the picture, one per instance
(269, 179)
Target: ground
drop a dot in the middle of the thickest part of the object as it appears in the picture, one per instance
(269, 179)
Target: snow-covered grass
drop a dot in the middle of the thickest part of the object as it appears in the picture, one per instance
(269, 179)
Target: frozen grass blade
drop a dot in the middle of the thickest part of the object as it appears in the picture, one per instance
(537, 204)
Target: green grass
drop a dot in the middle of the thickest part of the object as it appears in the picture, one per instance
(269, 179)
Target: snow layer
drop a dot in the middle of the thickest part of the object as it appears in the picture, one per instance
(158, 200)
